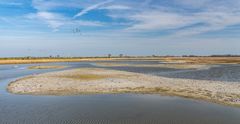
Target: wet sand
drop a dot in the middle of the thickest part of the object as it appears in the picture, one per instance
(101, 81)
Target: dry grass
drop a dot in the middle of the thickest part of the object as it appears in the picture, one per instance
(84, 77)
(29, 61)
(194, 60)
(49, 60)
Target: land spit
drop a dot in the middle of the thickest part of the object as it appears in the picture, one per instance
(101, 81)
(47, 67)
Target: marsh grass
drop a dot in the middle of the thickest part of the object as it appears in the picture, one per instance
(84, 76)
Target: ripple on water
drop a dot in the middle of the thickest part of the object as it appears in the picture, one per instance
(114, 109)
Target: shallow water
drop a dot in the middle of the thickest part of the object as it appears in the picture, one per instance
(230, 73)
(104, 109)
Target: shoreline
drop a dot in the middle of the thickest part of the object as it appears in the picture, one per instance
(186, 60)
(104, 81)
(37, 67)
(162, 65)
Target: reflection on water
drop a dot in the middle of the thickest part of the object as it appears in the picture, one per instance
(105, 109)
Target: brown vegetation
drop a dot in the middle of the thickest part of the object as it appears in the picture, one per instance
(49, 60)
(192, 60)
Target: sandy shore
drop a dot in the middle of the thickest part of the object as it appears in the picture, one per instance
(92, 81)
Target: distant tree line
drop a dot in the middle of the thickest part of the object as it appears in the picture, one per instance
(226, 55)
(109, 56)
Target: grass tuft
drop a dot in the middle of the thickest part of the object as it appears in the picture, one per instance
(84, 76)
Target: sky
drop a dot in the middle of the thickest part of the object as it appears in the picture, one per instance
(129, 27)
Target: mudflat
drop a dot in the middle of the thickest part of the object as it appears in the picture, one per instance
(101, 81)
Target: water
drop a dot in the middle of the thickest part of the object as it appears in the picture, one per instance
(104, 109)
(229, 73)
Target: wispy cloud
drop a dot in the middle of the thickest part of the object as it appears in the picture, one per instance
(92, 7)
(193, 3)
(207, 18)
(11, 3)
(55, 20)
(157, 20)
(116, 7)
(185, 17)
(86, 23)
(213, 21)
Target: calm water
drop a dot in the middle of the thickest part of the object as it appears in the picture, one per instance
(106, 109)
(230, 73)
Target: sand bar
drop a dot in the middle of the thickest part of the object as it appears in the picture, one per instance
(100, 81)
(47, 67)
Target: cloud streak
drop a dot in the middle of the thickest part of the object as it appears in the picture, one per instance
(92, 7)
(56, 20)
(116, 7)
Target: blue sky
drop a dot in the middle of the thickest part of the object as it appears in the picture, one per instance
(132, 27)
